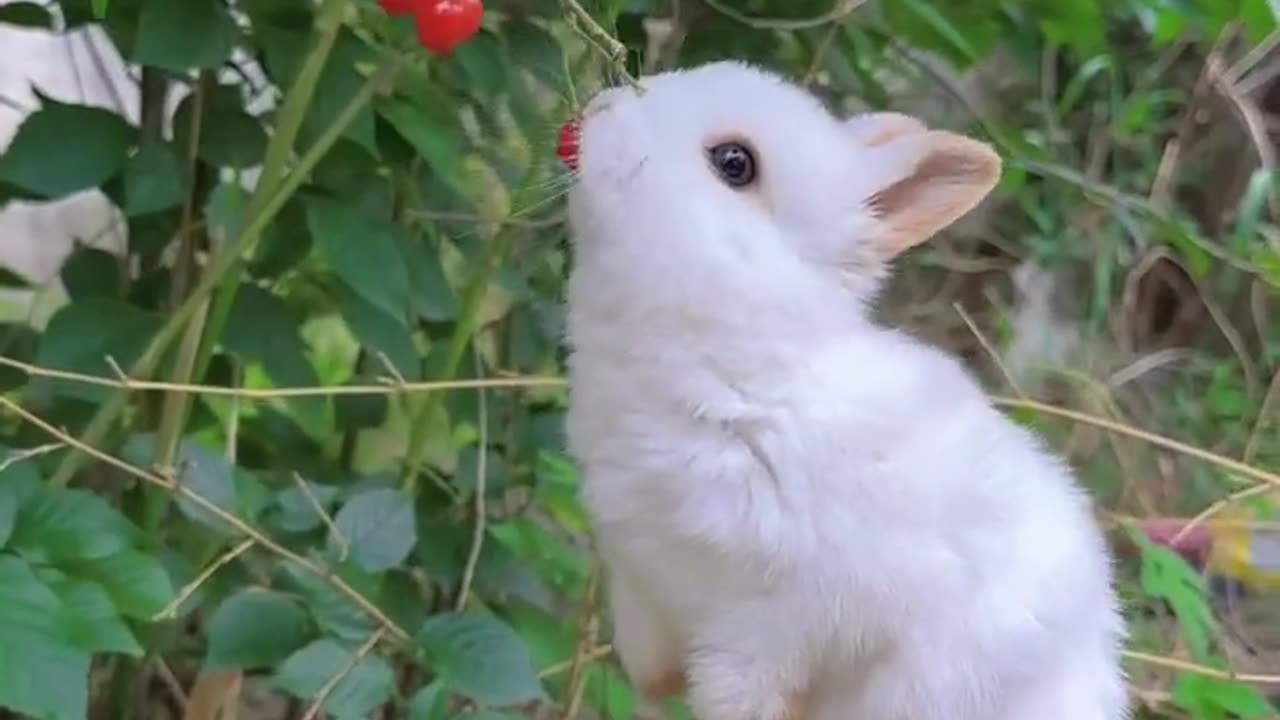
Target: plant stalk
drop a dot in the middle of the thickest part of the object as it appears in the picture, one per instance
(225, 262)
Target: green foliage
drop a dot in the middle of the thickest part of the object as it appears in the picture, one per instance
(322, 203)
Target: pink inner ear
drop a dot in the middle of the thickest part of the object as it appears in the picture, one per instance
(947, 176)
(939, 168)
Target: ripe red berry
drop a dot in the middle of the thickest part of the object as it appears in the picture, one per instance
(400, 7)
(567, 143)
(443, 25)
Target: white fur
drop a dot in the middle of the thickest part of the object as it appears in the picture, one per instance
(791, 501)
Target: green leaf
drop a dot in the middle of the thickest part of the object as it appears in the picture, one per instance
(333, 611)
(208, 475)
(18, 482)
(8, 513)
(137, 583)
(1209, 697)
(179, 36)
(480, 656)
(25, 601)
(368, 685)
(40, 675)
(59, 525)
(89, 619)
(1166, 575)
(26, 14)
(82, 335)
(430, 293)
(229, 136)
(254, 629)
(261, 328)
(63, 148)
(152, 179)
(379, 528)
(430, 131)
(91, 272)
(297, 513)
(379, 332)
(99, 8)
(363, 252)
(430, 703)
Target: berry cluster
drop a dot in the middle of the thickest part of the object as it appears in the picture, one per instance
(442, 25)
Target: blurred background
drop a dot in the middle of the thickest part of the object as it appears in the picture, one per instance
(298, 280)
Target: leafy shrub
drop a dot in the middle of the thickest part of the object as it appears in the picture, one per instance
(313, 201)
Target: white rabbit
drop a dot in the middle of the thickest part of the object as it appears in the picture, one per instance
(804, 515)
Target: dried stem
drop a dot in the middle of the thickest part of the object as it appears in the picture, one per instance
(990, 350)
(332, 683)
(842, 9)
(171, 610)
(1218, 507)
(389, 386)
(219, 512)
(344, 547)
(481, 489)
(1224, 462)
(21, 455)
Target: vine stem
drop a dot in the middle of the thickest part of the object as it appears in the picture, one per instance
(467, 325)
(224, 262)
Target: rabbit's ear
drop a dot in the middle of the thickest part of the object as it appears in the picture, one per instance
(931, 179)
(877, 128)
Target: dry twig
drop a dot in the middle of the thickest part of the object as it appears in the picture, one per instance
(343, 546)
(171, 610)
(388, 386)
(219, 512)
(332, 683)
(842, 9)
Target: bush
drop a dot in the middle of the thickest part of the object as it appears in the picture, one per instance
(355, 248)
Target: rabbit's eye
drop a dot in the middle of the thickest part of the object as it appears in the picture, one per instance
(734, 163)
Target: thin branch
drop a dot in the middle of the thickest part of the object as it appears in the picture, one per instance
(842, 9)
(481, 489)
(22, 455)
(388, 386)
(1263, 419)
(1198, 669)
(990, 350)
(598, 652)
(332, 683)
(1227, 463)
(171, 610)
(219, 512)
(1145, 657)
(343, 546)
(587, 639)
(1218, 507)
(596, 36)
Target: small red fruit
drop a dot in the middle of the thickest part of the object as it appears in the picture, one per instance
(400, 7)
(443, 25)
(567, 143)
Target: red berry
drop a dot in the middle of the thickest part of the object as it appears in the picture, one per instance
(567, 143)
(445, 24)
(400, 7)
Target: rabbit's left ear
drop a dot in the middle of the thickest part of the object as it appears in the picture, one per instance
(878, 128)
(930, 179)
